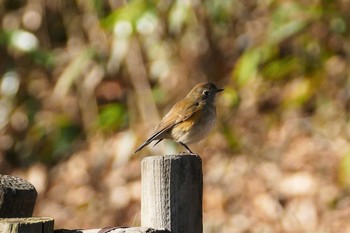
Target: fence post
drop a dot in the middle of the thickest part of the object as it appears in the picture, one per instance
(17, 197)
(27, 225)
(172, 193)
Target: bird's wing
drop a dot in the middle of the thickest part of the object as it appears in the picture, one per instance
(177, 114)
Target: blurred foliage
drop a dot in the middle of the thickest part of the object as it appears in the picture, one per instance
(82, 82)
(344, 171)
(112, 117)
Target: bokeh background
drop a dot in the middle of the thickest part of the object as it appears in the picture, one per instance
(83, 82)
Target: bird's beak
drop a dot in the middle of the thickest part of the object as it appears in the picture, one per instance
(219, 90)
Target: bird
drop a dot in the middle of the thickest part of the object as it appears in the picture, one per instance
(189, 120)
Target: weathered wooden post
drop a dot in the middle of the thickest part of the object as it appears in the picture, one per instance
(17, 200)
(27, 225)
(172, 193)
(17, 197)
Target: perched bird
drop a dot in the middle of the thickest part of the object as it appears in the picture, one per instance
(189, 120)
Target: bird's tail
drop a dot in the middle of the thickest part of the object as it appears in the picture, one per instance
(155, 136)
(142, 146)
(145, 144)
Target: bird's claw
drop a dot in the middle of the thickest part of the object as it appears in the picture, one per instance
(191, 154)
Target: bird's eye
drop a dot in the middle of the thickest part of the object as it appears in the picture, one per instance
(206, 92)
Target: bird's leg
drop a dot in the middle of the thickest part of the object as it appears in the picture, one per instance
(188, 149)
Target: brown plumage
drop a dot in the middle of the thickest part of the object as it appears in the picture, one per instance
(189, 120)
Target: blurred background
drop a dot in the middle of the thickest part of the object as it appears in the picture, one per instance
(83, 82)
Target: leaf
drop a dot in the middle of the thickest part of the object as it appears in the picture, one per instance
(344, 171)
(112, 117)
(130, 12)
(247, 66)
(298, 92)
(289, 19)
(279, 69)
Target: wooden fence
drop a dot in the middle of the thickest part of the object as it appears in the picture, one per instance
(172, 190)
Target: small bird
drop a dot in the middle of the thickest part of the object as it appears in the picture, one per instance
(189, 120)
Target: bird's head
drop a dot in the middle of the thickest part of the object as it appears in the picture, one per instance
(204, 92)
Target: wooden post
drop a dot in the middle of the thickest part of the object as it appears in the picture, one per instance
(114, 230)
(27, 225)
(172, 191)
(17, 197)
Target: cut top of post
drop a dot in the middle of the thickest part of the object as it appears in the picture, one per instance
(172, 191)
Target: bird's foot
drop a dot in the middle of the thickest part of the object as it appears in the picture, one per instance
(197, 155)
(191, 154)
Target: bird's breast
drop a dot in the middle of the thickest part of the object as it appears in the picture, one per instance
(196, 127)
